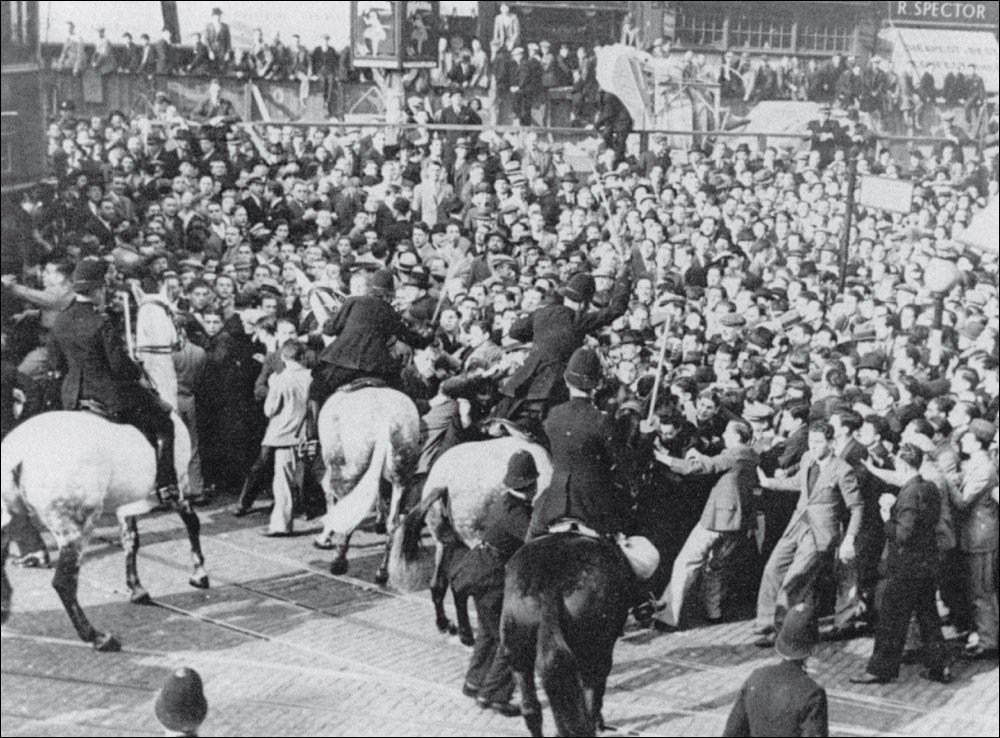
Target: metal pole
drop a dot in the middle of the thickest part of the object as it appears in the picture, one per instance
(845, 236)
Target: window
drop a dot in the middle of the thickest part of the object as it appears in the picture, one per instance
(828, 36)
(755, 32)
(699, 26)
(19, 32)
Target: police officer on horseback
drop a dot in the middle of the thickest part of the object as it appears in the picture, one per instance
(87, 350)
(585, 484)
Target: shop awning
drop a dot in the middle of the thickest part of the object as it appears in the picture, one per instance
(946, 50)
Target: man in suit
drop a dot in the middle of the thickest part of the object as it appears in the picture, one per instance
(584, 485)
(365, 328)
(911, 567)
(130, 55)
(86, 348)
(715, 541)
(200, 61)
(976, 518)
(431, 195)
(783, 700)
(556, 330)
(147, 57)
(856, 581)
(325, 64)
(253, 203)
(827, 487)
(163, 53)
(219, 42)
(530, 96)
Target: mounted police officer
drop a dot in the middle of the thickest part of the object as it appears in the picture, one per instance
(86, 348)
(585, 486)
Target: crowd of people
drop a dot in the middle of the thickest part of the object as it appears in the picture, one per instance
(514, 77)
(671, 324)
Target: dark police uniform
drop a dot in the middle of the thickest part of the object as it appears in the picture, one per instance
(779, 700)
(503, 534)
(87, 348)
(366, 328)
(584, 484)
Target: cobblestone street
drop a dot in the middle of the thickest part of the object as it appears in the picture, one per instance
(287, 649)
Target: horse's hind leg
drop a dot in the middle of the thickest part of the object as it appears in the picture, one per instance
(341, 544)
(439, 587)
(130, 542)
(382, 573)
(199, 577)
(6, 591)
(65, 582)
(531, 708)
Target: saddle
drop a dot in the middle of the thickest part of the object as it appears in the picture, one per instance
(363, 383)
(641, 555)
(98, 408)
(574, 526)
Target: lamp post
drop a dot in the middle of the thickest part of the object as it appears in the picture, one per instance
(940, 277)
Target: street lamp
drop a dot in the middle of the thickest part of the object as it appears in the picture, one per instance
(940, 277)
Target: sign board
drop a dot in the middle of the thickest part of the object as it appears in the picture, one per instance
(980, 13)
(395, 35)
(945, 50)
(894, 195)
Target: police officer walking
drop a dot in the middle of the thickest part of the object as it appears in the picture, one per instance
(481, 574)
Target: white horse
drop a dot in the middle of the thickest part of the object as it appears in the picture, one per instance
(366, 435)
(460, 490)
(69, 468)
(155, 340)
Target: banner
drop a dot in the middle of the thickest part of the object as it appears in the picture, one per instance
(946, 51)
(881, 193)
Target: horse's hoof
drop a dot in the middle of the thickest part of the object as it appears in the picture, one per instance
(447, 628)
(199, 582)
(381, 577)
(467, 639)
(339, 567)
(107, 643)
(141, 597)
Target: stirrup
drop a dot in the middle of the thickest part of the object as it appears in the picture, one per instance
(168, 494)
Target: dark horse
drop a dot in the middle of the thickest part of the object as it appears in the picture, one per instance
(565, 603)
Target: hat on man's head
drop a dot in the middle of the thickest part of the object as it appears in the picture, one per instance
(581, 288)
(181, 706)
(521, 471)
(799, 634)
(418, 277)
(984, 430)
(383, 282)
(584, 370)
(89, 274)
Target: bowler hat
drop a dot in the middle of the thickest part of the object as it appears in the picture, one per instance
(418, 277)
(521, 471)
(89, 273)
(799, 634)
(181, 706)
(583, 370)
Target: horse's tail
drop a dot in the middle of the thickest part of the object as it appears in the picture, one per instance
(559, 670)
(405, 567)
